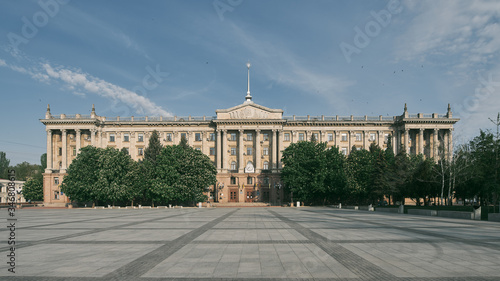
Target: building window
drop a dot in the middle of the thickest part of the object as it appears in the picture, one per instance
(140, 137)
(286, 137)
(249, 137)
(358, 136)
(197, 136)
(344, 137)
(169, 137)
(56, 180)
(344, 150)
(265, 151)
(266, 180)
(358, 148)
(249, 151)
(316, 136)
(140, 151)
(60, 165)
(212, 150)
(198, 148)
(212, 136)
(74, 151)
(249, 180)
(126, 137)
(301, 137)
(266, 165)
(330, 137)
(372, 136)
(183, 135)
(232, 136)
(111, 137)
(233, 180)
(59, 151)
(125, 150)
(233, 150)
(233, 165)
(266, 136)
(56, 195)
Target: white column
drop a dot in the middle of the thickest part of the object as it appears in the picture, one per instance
(224, 150)
(280, 148)
(351, 142)
(257, 151)
(365, 140)
(394, 143)
(435, 144)
(64, 150)
(218, 146)
(380, 139)
(407, 138)
(204, 136)
(241, 147)
(78, 140)
(49, 152)
(92, 136)
(190, 138)
(273, 150)
(421, 141)
(450, 144)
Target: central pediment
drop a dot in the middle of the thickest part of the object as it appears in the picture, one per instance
(249, 110)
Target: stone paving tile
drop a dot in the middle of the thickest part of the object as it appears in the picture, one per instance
(74, 260)
(365, 234)
(250, 244)
(132, 235)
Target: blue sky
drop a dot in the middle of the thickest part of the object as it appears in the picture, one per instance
(188, 58)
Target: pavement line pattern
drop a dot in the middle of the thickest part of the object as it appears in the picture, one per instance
(482, 243)
(92, 231)
(146, 262)
(350, 260)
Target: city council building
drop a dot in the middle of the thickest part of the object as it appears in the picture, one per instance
(244, 142)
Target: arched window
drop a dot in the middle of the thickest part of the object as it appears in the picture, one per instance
(266, 165)
(233, 165)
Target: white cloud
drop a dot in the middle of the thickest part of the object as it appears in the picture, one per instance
(79, 80)
(468, 30)
(78, 83)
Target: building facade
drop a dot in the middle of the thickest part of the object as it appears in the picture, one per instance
(4, 193)
(244, 142)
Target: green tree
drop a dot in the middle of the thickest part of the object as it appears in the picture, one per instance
(335, 179)
(43, 162)
(153, 149)
(360, 169)
(26, 170)
(79, 183)
(4, 165)
(114, 176)
(183, 142)
(305, 171)
(33, 189)
(181, 175)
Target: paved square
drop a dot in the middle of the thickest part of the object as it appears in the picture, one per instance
(248, 244)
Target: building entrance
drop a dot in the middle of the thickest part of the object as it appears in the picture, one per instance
(233, 195)
(249, 195)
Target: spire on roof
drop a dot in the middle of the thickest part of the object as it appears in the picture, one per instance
(248, 96)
